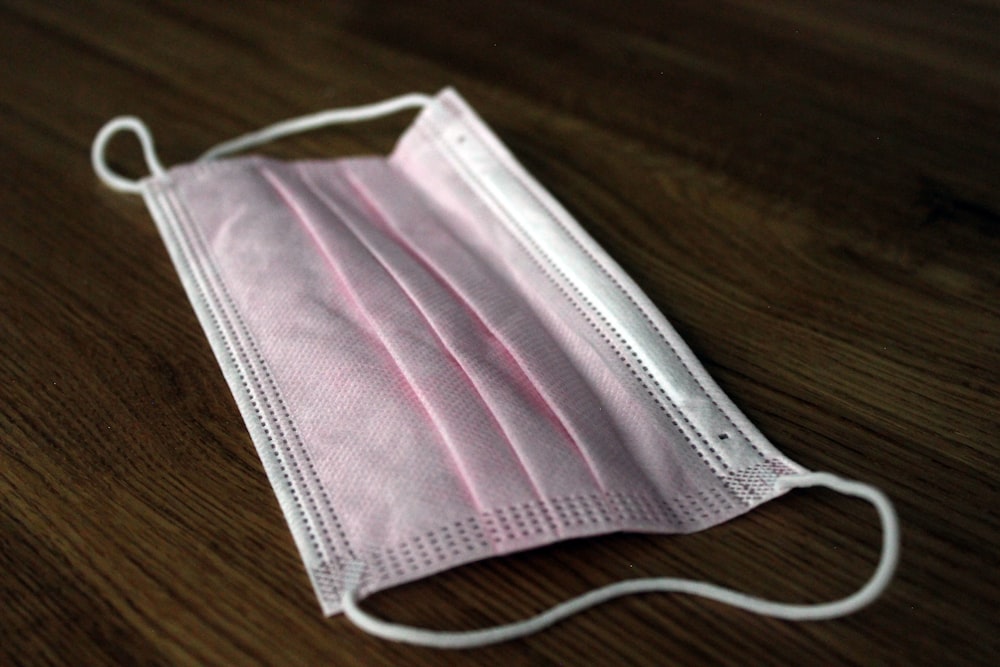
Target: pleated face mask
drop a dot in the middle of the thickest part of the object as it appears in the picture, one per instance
(438, 365)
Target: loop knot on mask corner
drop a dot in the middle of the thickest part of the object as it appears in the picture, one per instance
(107, 175)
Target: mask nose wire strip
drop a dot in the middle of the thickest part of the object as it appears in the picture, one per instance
(110, 178)
(798, 612)
(317, 120)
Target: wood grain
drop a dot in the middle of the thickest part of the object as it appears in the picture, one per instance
(810, 191)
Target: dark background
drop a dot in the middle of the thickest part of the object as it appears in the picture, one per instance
(808, 190)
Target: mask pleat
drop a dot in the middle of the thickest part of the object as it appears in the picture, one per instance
(474, 309)
(467, 426)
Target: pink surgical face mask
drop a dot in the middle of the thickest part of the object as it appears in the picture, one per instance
(438, 365)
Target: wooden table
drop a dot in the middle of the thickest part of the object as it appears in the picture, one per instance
(809, 191)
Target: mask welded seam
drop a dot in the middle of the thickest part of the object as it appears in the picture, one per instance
(594, 513)
(295, 442)
(295, 478)
(459, 116)
(590, 320)
(456, 160)
(253, 387)
(213, 307)
(325, 572)
(640, 361)
(448, 544)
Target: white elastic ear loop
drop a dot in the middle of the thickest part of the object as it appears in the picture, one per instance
(97, 149)
(798, 612)
(270, 133)
(317, 120)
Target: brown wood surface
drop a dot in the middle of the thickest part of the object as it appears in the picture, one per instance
(809, 191)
